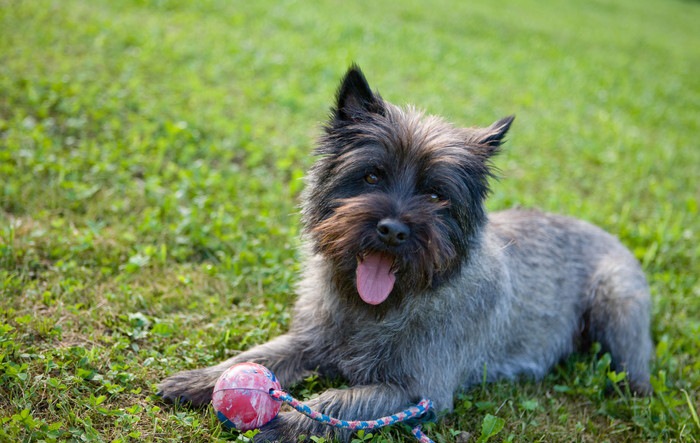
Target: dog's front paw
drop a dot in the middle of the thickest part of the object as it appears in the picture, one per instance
(274, 431)
(194, 387)
(292, 427)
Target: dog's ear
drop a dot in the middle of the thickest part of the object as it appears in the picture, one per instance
(493, 135)
(491, 138)
(355, 97)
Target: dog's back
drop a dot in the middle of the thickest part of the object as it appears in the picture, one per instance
(571, 282)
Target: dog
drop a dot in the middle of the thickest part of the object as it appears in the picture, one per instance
(411, 290)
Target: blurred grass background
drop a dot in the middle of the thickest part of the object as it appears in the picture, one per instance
(152, 153)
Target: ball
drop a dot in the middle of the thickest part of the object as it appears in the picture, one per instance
(241, 396)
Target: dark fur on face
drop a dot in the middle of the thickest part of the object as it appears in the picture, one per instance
(381, 162)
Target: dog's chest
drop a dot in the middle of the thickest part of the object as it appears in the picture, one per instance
(375, 350)
(369, 353)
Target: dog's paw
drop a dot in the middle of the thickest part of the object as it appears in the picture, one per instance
(193, 387)
(273, 431)
(292, 427)
(267, 436)
(641, 388)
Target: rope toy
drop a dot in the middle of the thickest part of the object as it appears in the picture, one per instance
(247, 396)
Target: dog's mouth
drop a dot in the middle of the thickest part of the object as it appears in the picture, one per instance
(375, 276)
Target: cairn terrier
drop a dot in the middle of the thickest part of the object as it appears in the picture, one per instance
(410, 290)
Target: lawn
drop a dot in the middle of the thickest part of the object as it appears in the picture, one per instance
(151, 160)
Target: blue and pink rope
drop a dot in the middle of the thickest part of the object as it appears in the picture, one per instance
(416, 412)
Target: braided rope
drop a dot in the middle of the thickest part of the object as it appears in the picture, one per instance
(413, 412)
(422, 438)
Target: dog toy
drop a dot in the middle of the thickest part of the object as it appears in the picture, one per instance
(242, 398)
(247, 396)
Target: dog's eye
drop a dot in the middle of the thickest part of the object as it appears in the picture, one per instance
(434, 198)
(372, 178)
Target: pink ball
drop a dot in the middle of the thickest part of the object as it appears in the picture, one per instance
(241, 396)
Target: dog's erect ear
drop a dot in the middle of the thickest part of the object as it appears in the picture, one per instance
(355, 96)
(491, 138)
(493, 135)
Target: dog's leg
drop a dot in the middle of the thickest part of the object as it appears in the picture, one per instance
(366, 402)
(619, 318)
(285, 356)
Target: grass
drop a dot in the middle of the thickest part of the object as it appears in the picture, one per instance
(151, 155)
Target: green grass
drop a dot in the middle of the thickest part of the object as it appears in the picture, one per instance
(151, 155)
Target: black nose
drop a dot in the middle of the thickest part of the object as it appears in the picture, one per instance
(392, 232)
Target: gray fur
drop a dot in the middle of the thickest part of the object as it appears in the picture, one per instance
(530, 287)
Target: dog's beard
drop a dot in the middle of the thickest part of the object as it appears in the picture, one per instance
(365, 266)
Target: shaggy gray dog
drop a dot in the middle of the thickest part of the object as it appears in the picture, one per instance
(410, 290)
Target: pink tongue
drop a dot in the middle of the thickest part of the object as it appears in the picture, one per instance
(374, 278)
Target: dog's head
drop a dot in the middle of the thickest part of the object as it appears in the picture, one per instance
(395, 201)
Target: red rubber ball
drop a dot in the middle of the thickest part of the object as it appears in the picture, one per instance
(241, 396)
